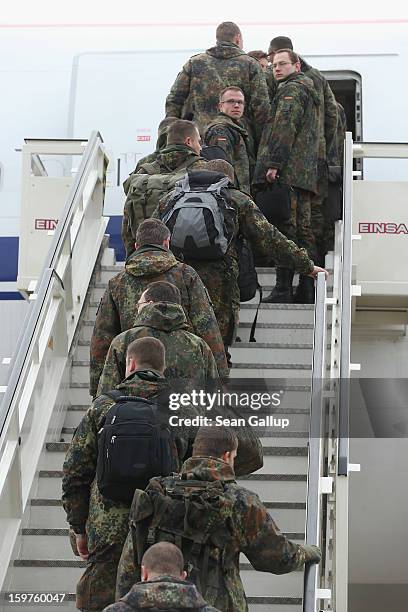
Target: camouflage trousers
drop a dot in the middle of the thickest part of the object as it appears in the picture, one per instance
(220, 278)
(319, 227)
(299, 226)
(96, 587)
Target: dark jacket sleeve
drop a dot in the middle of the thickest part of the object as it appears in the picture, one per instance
(107, 326)
(179, 92)
(330, 124)
(259, 105)
(80, 466)
(267, 549)
(221, 136)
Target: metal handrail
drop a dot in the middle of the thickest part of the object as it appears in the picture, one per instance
(346, 280)
(48, 272)
(313, 506)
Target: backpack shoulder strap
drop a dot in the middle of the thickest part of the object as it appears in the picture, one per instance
(151, 167)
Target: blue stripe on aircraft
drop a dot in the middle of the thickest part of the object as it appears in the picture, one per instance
(9, 255)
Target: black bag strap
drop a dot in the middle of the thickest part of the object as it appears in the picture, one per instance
(253, 326)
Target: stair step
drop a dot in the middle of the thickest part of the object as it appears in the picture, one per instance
(277, 313)
(270, 353)
(277, 332)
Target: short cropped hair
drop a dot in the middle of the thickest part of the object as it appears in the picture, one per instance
(258, 55)
(292, 55)
(221, 165)
(151, 231)
(179, 130)
(147, 351)
(280, 42)
(214, 441)
(227, 31)
(164, 558)
(162, 291)
(232, 88)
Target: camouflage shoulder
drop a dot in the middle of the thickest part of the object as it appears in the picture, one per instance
(119, 606)
(99, 406)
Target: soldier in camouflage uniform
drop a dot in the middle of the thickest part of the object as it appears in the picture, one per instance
(227, 132)
(205, 75)
(289, 148)
(248, 527)
(182, 151)
(221, 276)
(151, 262)
(327, 125)
(163, 585)
(100, 524)
(189, 359)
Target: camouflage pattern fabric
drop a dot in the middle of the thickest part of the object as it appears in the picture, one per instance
(252, 532)
(189, 360)
(169, 161)
(327, 113)
(299, 226)
(221, 276)
(104, 521)
(190, 365)
(165, 593)
(271, 82)
(205, 75)
(318, 226)
(231, 135)
(290, 139)
(118, 306)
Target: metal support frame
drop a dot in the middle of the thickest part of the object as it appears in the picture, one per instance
(45, 342)
(315, 487)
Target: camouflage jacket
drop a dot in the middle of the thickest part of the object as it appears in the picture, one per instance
(327, 112)
(163, 593)
(188, 358)
(85, 506)
(205, 75)
(118, 307)
(290, 139)
(251, 528)
(168, 160)
(231, 136)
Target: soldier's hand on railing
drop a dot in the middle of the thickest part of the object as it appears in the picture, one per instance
(316, 270)
(313, 553)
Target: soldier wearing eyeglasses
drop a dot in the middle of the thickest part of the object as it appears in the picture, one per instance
(288, 150)
(228, 131)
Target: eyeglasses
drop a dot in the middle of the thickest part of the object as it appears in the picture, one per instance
(280, 64)
(238, 102)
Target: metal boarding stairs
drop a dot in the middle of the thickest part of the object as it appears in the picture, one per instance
(304, 478)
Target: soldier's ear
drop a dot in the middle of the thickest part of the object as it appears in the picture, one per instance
(183, 575)
(144, 574)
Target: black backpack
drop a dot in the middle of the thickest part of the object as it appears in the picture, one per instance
(133, 447)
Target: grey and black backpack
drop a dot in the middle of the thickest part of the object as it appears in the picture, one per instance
(200, 217)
